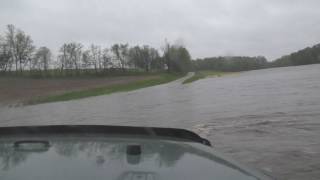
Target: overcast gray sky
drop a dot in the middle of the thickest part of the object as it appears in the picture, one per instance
(207, 27)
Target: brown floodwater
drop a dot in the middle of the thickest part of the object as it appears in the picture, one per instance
(268, 119)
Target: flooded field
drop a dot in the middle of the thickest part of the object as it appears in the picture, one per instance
(268, 119)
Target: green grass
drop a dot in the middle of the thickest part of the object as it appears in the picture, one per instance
(198, 75)
(203, 74)
(160, 79)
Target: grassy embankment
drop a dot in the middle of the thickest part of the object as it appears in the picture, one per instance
(203, 74)
(159, 79)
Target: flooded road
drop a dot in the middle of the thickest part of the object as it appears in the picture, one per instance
(269, 119)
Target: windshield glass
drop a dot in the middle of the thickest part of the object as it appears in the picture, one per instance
(243, 75)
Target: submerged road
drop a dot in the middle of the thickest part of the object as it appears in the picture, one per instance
(269, 119)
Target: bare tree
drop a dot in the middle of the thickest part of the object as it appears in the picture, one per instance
(167, 55)
(5, 56)
(143, 57)
(21, 46)
(106, 58)
(24, 48)
(121, 53)
(156, 62)
(86, 63)
(70, 56)
(149, 55)
(177, 57)
(63, 57)
(135, 57)
(10, 41)
(95, 56)
(75, 54)
(42, 58)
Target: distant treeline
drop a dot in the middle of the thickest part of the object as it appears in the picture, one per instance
(19, 56)
(234, 63)
(309, 55)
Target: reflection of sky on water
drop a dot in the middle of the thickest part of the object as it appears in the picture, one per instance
(95, 159)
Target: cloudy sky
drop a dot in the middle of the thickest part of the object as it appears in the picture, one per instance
(206, 27)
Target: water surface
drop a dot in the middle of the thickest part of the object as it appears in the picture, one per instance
(267, 118)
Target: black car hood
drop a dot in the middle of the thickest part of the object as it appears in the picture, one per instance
(103, 152)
